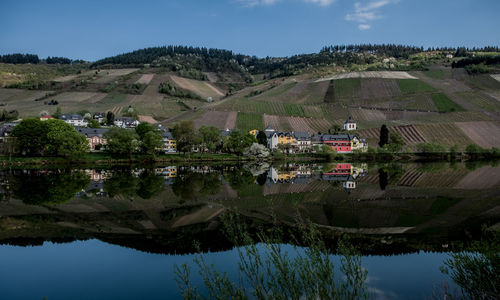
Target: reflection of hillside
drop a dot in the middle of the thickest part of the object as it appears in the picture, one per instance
(141, 210)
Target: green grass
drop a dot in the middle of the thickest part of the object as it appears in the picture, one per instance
(294, 110)
(445, 104)
(413, 86)
(346, 88)
(484, 82)
(442, 204)
(249, 121)
(483, 101)
(435, 74)
(113, 99)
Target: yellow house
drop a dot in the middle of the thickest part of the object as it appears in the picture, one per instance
(286, 139)
(286, 176)
(253, 132)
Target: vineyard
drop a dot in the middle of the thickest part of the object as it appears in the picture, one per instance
(445, 134)
(219, 119)
(249, 121)
(413, 86)
(379, 88)
(444, 104)
(311, 125)
(485, 134)
(480, 100)
(411, 135)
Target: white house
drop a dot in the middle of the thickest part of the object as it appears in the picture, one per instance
(350, 124)
(75, 120)
(126, 122)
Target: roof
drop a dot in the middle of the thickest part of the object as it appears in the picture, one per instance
(337, 137)
(269, 129)
(167, 135)
(71, 117)
(91, 132)
(301, 135)
(226, 132)
(349, 120)
(125, 119)
(7, 128)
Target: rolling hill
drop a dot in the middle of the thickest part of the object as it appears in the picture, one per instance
(431, 103)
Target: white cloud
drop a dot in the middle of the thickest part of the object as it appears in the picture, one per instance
(252, 3)
(320, 2)
(367, 11)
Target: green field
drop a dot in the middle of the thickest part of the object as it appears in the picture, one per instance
(294, 110)
(445, 104)
(412, 86)
(436, 74)
(249, 121)
(346, 88)
(481, 100)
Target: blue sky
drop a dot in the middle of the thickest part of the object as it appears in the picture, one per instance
(95, 29)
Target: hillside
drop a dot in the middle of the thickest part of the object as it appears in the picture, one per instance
(415, 93)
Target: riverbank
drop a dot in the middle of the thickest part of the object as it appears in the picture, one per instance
(109, 159)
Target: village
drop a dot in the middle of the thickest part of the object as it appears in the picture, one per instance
(346, 141)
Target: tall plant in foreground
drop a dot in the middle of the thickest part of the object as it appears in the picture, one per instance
(270, 270)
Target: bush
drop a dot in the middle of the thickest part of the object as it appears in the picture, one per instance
(430, 148)
(474, 149)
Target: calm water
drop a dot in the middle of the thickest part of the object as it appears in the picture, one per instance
(117, 233)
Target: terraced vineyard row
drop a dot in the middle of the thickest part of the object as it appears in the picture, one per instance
(445, 134)
(248, 121)
(283, 123)
(410, 134)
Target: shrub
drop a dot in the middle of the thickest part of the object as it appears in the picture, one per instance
(430, 148)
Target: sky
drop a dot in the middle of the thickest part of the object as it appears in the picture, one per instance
(92, 29)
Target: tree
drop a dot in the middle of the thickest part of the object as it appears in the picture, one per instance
(210, 137)
(185, 136)
(396, 142)
(110, 118)
(262, 138)
(63, 140)
(31, 136)
(143, 128)
(238, 141)
(121, 141)
(151, 141)
(93, 123)
(58, 113)
(384, 136)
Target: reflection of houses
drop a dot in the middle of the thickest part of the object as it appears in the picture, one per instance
(97, 175)
(345, 173)
(299, 174)
(169, 171)
(94, 136)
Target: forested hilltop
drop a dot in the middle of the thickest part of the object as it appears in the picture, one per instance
(203, 59)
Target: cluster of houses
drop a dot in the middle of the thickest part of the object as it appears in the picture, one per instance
(291, 142)
(300, 141)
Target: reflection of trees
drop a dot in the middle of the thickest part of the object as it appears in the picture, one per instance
(52, 187)
(122, 182)
(190, 185)
(477, 271)
(149, 185)
(268, 269)
(239, 178)
(125, 183)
